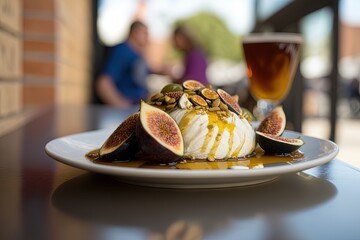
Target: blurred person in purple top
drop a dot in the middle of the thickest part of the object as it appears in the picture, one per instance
(195, 63)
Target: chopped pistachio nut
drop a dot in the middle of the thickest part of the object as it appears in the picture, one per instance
(172, 100)
(167, 99)
(223, 106)
(156, 96)
(216, 103)
(170, 106)
(214, 109)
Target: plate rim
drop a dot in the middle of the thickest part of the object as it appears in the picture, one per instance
(185, 174)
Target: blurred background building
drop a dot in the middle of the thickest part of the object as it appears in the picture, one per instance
(52, 50)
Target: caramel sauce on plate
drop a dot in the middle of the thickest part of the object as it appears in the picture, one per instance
(256, 160)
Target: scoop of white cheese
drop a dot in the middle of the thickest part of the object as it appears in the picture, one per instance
(209, 136)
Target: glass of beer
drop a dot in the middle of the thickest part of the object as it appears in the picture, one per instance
(271, 61)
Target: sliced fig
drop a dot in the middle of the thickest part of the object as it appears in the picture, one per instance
(209, 94)
(171, 87)
(177, 94)
(121, 144)
(230, 101)
(192, 85)
(158, 135)
(277, 144)
(236, 97)
(274, 123)
(184, 102)
(198, 100)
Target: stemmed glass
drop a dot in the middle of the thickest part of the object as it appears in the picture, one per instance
(271, 63)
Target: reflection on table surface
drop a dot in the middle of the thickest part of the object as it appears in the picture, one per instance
(44, 199)
(104, 200)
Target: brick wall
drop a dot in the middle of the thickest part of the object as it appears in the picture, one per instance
(45, 56)
(57, 54)
(39, 58)
(350, 36)
(74, 51)
(10, 57)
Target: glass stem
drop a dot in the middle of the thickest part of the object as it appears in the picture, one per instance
(263, 108)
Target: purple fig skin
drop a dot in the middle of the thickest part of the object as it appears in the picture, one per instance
(126, 151)
(273, 144)
(121, 144)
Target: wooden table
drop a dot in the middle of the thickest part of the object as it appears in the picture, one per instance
(44, 199)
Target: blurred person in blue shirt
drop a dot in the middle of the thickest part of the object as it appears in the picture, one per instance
(123, 79)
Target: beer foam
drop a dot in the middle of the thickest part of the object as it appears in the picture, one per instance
(273, 37)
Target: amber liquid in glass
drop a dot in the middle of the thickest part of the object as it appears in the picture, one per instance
(270, 68)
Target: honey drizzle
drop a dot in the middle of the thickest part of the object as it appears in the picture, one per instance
(254, 161)
(231, 128)
(251, 162)
(213, 120)
(208, 136)
(238, 149)
(184, 122)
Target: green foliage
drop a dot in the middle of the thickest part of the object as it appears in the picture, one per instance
(214, 37)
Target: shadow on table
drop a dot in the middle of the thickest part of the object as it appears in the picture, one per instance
(98, 198)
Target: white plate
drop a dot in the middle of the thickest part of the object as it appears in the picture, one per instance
(71, 150)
